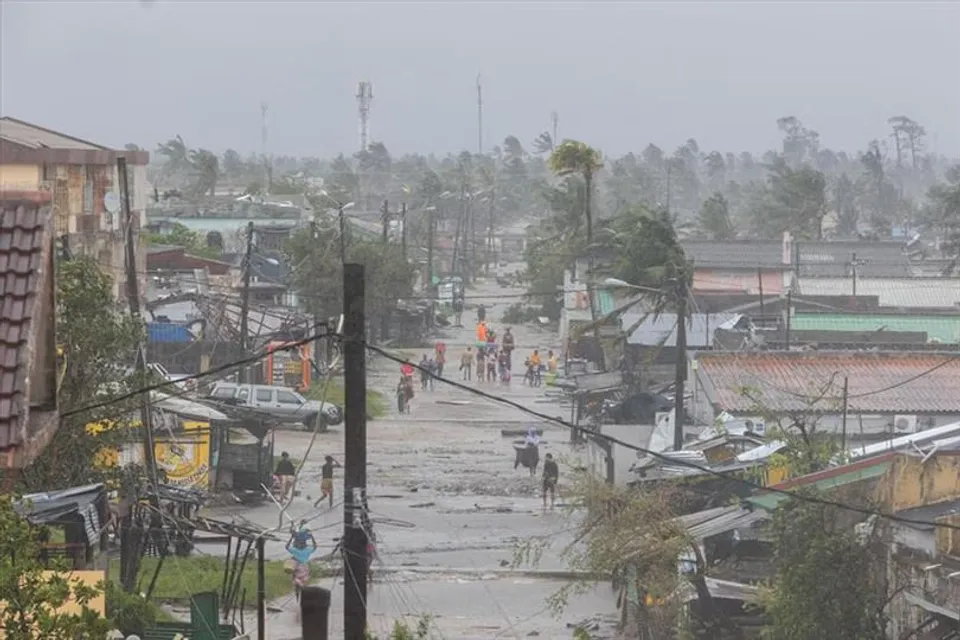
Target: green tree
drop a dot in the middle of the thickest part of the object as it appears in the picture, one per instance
(98, 339)
(819, 559)
(714, 218)
(205, 167)
(648, 254)
(177, 153)
(574, 157)
(181, 236)
(797, 200)
(943, 215)
(32, 596)
(845, 196)
(318, 276)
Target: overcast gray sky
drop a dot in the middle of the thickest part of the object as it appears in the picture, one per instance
(619, 74)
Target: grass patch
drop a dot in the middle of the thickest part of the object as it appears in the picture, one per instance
(376, 402)
(181, 577)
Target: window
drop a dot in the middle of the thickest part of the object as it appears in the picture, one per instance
(223, 393)
(287, 398)
(264, 395)
(243, 394)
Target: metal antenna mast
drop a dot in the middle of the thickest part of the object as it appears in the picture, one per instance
(555, 119)
(364, 98)
(263, 146)
(479, 116)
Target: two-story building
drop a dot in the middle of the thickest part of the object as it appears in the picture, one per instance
(83, 181)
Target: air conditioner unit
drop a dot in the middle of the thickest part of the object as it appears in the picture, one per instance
(905, 424)
(756, 425)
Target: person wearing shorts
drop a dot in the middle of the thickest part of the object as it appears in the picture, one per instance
(326, 481)
(551, 473)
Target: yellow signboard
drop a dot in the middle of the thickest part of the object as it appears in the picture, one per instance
(186, 460)
(183, 455)
(70, 607)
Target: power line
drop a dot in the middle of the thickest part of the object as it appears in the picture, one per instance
(670, 460)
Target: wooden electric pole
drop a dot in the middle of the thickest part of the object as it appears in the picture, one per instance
(385, 220)
(681, 371)
(431, 229)
(129, 540)
(354, 542)
(403, 229)
(242, 376)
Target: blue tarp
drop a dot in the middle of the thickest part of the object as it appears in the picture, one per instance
(168, 332)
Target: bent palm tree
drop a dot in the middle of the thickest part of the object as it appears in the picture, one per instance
(574, 157)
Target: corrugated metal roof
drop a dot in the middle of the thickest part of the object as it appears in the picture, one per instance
(168, 332)
(937, 327)
(735, 254)
(662, 330)
(906, 293)
(23, 234)
(929, 513)
(908, 383)
(36, 137)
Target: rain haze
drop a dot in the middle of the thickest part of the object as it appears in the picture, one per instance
(618, 74)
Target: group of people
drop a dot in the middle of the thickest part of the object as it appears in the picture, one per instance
(285, 474)
(491, 361)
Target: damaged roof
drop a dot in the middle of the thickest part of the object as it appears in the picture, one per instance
(23, 237)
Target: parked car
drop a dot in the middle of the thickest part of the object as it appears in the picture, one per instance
(282, 403)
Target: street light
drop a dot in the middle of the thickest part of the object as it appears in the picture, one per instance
(617, 282)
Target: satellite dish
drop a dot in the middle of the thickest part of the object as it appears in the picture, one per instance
(111, 202)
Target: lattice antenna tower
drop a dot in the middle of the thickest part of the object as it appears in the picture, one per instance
(364, 99)
(263, 147)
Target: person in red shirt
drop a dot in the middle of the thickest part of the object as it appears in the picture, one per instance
(440, 357)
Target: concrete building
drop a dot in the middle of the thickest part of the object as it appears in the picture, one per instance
(83, 181)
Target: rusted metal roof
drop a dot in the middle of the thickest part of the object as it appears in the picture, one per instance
(24, 142)
(885, 383)
(35, 137)
(23, 238)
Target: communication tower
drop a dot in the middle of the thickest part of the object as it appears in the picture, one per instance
(364, 98)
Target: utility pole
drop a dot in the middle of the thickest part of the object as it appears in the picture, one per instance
(314, 613)
(843, 436)
(760, 286)
(431, 229)
(681, 372)
(242, 376)
(354, 541)
(385, 220)
(263, 147)
(343, 234)
(789, 314)
(261, 590)
(479, 117)
(854, 263)
(555, 121)
(490, 243)
(130, 547)
(403, 229)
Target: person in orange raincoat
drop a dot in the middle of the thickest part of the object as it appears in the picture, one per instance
(482, 333)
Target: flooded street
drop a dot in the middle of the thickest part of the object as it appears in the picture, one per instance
(447, 505)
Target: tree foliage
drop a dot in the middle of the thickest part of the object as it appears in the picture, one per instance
(98, 339)
(714, 219)
(318, 273)
(573, 157)
(828, 581)
(181, 236)
(32, 597)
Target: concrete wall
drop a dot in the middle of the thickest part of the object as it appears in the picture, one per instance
(19, 177)
(739, 280)
(623, 457)
(911, 482)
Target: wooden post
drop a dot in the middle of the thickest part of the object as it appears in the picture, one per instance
(242, 374)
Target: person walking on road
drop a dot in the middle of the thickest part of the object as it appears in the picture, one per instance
(507, 345)
(551, 474)
(440, 357)
(424, 372)
(481, 365)
(285, 472)
(466, 364)
(326, 481)
(481, 314)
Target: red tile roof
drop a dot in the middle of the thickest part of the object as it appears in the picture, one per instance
(878, 382)
(23, 239)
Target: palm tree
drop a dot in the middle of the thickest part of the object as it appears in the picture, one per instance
(574, 157)
(176, 152)
(206, 171)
